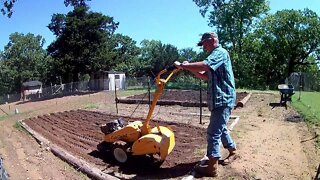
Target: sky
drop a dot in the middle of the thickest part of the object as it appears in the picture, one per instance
(176, 22)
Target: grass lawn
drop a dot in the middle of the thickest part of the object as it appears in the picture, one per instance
(133, 92)
(309, 106)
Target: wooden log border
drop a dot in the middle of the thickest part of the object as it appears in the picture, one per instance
(244, 100)
(80, 164)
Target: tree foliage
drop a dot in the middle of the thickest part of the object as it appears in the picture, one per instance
(23, 59)
(84, 44)
(7, 7)
(127, 56)
(156, 56)
(294, 36)
(265, 49)
(232, 19)
(188, 54)
(280, 45)
(75, 3)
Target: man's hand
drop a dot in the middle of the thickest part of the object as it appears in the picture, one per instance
(178, 64)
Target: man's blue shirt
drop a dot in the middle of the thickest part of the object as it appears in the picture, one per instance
(221, 85)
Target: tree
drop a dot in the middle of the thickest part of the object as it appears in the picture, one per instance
(6, 79)
(292, 36)
(281, 44)
(232, 19)
(157, 56)
(127, 55)
(23, 59)
(75, 3)
(257, 69)
(84, 44)
(7, 7)
(188, 54)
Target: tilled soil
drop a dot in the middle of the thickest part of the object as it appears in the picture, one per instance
(189, 98)
(79, 133)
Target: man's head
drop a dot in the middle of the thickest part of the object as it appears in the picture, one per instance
(209, 41)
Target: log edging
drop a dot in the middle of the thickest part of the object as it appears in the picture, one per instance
(80, 164)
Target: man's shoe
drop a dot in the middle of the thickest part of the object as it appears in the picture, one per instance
(209, 169)
(232, 151)
(231, 157)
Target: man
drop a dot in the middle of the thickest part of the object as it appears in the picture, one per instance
(217, 70)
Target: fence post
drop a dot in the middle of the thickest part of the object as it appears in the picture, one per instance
(200, 102)
(149, 91)
(300, 85)
(115, 93)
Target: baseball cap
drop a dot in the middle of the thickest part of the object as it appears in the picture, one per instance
(206, 36)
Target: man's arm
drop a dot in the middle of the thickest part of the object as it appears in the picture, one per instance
(199, 69)
(202, 75)
(195, 66)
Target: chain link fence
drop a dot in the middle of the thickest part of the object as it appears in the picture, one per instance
(96, 85)
(304, 81)
(147, 83)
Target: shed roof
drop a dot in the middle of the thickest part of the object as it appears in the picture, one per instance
(31, 83)
(114, 72)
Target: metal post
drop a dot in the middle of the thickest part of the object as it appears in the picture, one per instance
(149, 84)
(200, 103)
(300, 86)
(115, 94)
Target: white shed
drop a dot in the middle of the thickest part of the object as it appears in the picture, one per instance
(115, 80)
(31, 88)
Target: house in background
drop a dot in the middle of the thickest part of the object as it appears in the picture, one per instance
(31, 88)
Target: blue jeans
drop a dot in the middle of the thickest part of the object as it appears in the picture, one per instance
(217, 132)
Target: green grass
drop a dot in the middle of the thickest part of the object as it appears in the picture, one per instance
(308, 104)
(3, 117)
(18, 125)
(133, 92)
(91, 106)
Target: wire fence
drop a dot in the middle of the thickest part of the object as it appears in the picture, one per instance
(301, 82)
(59, 90)
(304, 81)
